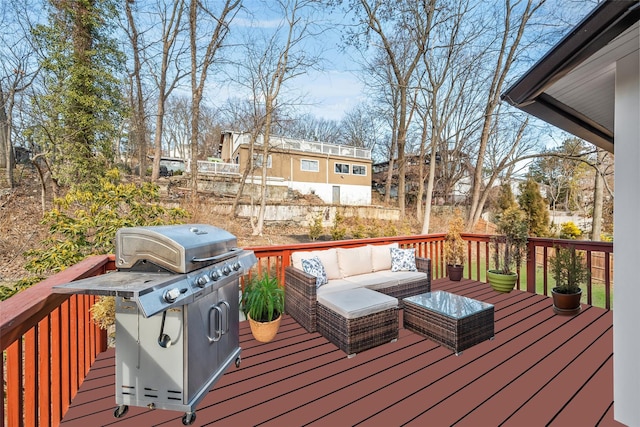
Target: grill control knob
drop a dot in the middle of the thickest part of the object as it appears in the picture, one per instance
(226, 270)
(236, 266)
(203, 280)
(172, 295)
(215, 275)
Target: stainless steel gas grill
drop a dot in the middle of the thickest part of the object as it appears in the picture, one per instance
(177, 313)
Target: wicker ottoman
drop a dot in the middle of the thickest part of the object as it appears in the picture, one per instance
(357, 319)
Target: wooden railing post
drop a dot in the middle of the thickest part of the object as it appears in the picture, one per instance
(531, 267)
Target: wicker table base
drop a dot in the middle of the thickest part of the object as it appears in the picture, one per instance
(453, 321)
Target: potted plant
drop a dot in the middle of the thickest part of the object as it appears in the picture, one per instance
(454, 247)
(569, 270)
(509, 249)
(263, 304)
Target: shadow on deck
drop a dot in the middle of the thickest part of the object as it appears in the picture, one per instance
(541, 369)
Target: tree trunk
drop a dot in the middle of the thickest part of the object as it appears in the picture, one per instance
(430, 185)
(138, 110)
(598, 198)
(506, 55)
(7, 159)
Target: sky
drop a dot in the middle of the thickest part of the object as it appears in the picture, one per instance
(330, 92)
(337, 89)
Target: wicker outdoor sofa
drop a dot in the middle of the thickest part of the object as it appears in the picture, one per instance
(350, 268)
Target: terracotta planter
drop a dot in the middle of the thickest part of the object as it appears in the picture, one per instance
(264, 331)
(566, 304)
(502, 282)
(455, 272)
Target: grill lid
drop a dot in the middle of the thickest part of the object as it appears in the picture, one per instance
(167, 266)
(175, 248)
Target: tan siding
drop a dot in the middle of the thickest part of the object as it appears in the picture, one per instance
(286, 165)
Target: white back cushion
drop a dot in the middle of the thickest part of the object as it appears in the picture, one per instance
(381, 256)
(355, 261)
(328, 258)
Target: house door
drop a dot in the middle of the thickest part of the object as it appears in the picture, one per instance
(336, 194)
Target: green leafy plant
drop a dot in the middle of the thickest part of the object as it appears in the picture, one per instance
(359, 231)
(568, 230)
(85, 221)
(510, 247)
(454, 245)
(263, 298)
(338, 230)
(569, 269)
(316, 229)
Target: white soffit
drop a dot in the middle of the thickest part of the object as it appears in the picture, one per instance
(590, 87)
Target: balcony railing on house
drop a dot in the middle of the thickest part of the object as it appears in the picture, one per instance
(49, 341)
(282, 143)
(218, 168)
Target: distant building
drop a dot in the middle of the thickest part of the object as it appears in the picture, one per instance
(170, 165)
(338, 174)
(447, 190)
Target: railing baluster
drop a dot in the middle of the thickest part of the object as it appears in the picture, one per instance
(30, 353)
(545, 269)
(56, 366)
(590, 279)
(607, 279)
(15, 384)
(44, 371)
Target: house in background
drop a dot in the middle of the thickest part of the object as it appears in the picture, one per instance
(589, 85)
(338, 174)
(452, 182)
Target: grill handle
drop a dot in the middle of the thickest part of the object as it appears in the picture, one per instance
(226, 329)
(218, 331)
(217, 257)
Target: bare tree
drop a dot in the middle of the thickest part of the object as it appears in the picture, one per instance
(362, 127)
(203, 20)
(270, 63)
(137, 98)
(177, 125)
(401, 29)
(446, 74)
(17, 72)
(311, 128)
(171, 14)
(511, 30)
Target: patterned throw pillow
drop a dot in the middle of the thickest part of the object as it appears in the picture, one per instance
(403, 259)
(314, 267)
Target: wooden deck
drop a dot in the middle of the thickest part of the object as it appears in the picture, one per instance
(541, 369)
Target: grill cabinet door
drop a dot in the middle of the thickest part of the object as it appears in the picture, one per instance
(146, 373)
(228, 303)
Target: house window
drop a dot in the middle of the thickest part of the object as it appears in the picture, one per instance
(341, 168)
(309, 165)
(358, 170)
(258, 160)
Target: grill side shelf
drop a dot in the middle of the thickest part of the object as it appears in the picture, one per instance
(119, 283)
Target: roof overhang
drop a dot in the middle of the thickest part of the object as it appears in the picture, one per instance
(573, 85)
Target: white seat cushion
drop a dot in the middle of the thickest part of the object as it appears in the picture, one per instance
(355, 303)
(337, 285)
(374, 280)
(401, 277)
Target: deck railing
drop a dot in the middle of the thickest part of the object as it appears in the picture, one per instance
(49, 341)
